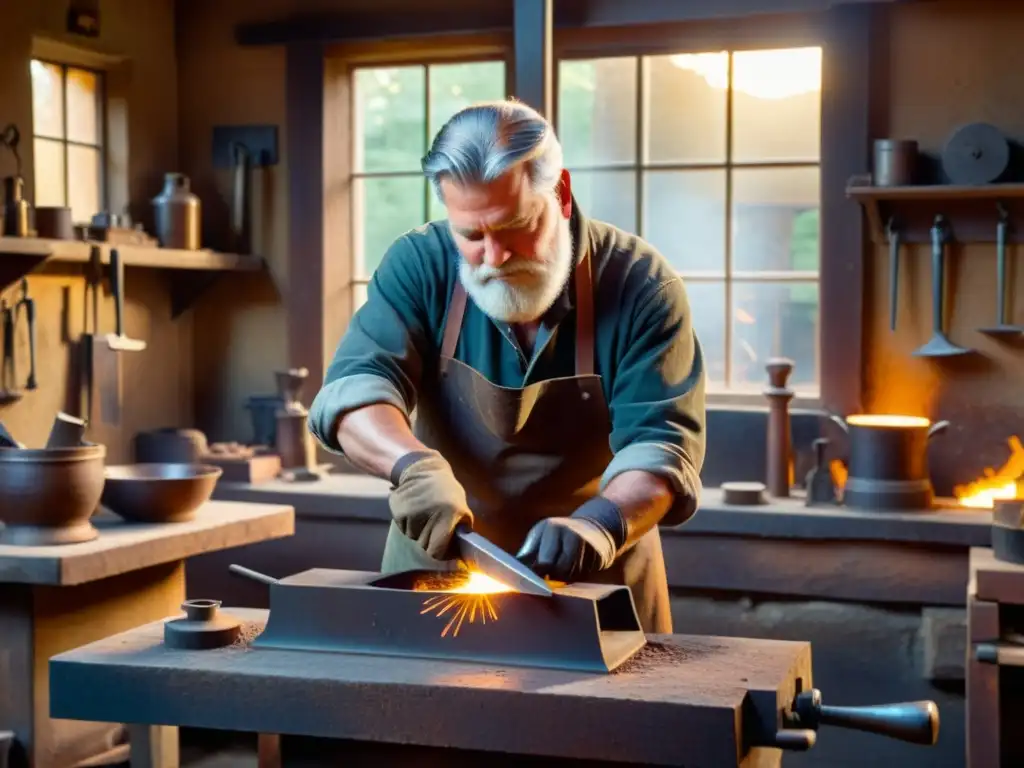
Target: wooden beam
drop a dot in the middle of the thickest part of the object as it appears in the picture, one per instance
(534, 42)
(494, 16)
(846, 114)
(319, 268)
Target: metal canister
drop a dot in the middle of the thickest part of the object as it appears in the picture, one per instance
(895, 162)
(178, 214)
(15, 207)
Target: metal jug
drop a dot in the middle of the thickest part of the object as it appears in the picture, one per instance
(178, 214)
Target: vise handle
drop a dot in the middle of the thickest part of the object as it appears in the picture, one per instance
(916, 722)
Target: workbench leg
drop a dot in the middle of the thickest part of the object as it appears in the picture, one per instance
(154, 746)
(983, 740)
(39, 621)
(984, 749)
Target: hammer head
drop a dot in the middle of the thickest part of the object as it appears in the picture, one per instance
(124, 344)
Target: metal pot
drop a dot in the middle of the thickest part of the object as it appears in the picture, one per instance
(47, 496)
(887, 464)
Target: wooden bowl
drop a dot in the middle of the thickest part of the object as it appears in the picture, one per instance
(48, 495)
(158, 493)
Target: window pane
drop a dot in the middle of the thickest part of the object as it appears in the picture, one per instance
(383, 209)
(456, 86)
(775, 219)
(777, 105)
(685, 106)
(436, 209)
(358, 296)
(707, 306)
(47, 99)
(390, 119)
(49, 172)
(774, 320)
(597, 111)
(684, 218)
(84, 185)
(608, 196)
(83, 100)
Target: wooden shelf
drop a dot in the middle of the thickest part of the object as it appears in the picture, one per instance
(194, 270)
(971, 211)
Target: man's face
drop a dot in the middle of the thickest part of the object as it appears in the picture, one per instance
(515, 243)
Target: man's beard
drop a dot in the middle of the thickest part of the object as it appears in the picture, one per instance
(537, 282)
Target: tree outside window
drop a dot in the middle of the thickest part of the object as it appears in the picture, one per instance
(68, 138)
(398, 110)
(714, 159)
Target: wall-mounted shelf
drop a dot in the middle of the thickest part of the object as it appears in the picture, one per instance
(193, 271)
(972, 211)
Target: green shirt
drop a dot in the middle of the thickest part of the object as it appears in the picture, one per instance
(646, 351)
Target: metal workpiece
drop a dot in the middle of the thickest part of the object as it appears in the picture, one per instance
(485, 556)
(581, 627)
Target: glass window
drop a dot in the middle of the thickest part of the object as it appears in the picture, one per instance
(714, 158)
(398, 110)
(68, 133)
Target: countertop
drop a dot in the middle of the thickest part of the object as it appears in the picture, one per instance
(360, 497)
(122, 547)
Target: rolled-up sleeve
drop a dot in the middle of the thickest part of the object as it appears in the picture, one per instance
(380, 358)
(657, 399)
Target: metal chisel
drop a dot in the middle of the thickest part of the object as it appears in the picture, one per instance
(495, 562)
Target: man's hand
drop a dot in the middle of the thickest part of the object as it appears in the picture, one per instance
(567, 549)
(427, 504)
(573, 548)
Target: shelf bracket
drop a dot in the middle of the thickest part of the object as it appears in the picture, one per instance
(188, 286)
(15, 266)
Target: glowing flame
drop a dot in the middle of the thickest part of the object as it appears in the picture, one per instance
(900, 422)
(464, 596)
(996, 485)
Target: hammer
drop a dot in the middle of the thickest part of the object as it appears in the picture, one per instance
(117, 340)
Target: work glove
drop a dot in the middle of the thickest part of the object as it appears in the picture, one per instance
(427, 502)
(574, 548)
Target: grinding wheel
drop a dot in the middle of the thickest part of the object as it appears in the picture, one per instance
(977, 153)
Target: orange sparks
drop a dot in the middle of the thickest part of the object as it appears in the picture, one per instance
(465, 597)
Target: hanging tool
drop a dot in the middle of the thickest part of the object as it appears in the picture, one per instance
(893, 233)
(493, 561)
(109, 367)
(1002, 328)
(30, 316)
(8, 386)
(939, 344)
(89, 342)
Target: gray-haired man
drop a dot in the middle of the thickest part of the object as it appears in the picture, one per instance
(557, 381)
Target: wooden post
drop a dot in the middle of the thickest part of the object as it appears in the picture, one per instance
(780, 464)
(534, 36)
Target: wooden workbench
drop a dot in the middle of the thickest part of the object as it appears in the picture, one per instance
(687, 704)
(60, 597)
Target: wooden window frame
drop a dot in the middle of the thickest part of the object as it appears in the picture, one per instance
(318, 295)
(639, 168)
(66, 143)
(425, 62)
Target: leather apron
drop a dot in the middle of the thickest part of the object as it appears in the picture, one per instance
(524, 454)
